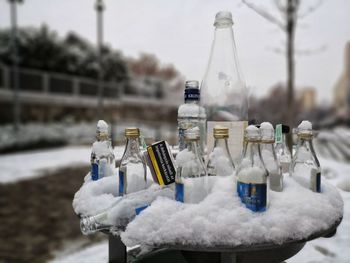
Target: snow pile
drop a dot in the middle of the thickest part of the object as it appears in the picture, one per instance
(96, 196)
(221, 218)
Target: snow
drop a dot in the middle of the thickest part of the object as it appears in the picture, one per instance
(305, 125)
(266, 126)
(31, 164)
(102, 126)
(221, 218)
(221, 162)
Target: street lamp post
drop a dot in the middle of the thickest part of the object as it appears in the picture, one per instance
(99, 6)
(15, 58)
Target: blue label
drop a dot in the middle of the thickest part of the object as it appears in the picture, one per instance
(138, 210)
(253, 196)
(179, 192)
(318, 182)
(94, 171)
(121, 183)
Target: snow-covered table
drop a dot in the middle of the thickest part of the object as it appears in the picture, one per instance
(220, 228)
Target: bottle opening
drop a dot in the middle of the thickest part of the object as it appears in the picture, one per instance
(223, 19)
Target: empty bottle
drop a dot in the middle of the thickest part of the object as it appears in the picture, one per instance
(305, 167)
(220, 161)
(269, 156)
(223, 89)
(102, 155)
(132, 169)
(191, 114)
(191, 176)
(282, 151)
(252, 174)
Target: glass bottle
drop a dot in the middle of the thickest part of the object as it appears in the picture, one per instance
(223, 89)
(220, 161)
(269, 156)
(191, 176)
(132, 169)
(102, 155)
(282, 151)
(251, 173)
(191, 114)
(305, 167)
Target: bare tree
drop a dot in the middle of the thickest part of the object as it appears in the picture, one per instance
(290, 14)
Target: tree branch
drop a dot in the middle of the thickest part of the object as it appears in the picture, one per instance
(310, 9)
(265, 14)
(308, 52)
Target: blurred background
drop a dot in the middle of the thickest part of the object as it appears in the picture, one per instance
(66, 64)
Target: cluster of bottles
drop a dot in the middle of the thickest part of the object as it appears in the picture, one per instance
(214, 139)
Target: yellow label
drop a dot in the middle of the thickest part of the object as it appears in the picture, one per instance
(155, 165)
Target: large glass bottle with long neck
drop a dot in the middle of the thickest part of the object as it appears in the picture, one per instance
(223, 89)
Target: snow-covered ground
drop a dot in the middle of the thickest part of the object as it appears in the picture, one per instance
(21, 166)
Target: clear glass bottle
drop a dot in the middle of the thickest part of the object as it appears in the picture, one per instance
(191, 114)
(191, 177)
(282, 151)
(223, 89)
(132, 169)
(305, 167)
(102, 155)
(269, 156)
(252, 183)
(220, 161)
(92, 224)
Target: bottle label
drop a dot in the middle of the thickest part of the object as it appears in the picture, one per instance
(278, 133)
(316, 180)
(122, 175)
(253, 196)
(179, 192)
(94, 172)
(138, 210)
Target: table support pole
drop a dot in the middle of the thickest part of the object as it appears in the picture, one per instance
(116, 250)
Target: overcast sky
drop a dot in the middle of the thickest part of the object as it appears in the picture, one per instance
(181, 32)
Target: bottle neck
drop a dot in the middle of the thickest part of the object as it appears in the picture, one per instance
(304, 146)
(192, 146)
(132, 146)
(252, 154)
(192, 102)
(223, 144)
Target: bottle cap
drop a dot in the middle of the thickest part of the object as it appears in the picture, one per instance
(285, 128)
(132, 132)
(223, 18)
(221, 132)
(252, 134)
(267, 132)
(192, 134)
(304, 129)
(192, 91)
(102, 129)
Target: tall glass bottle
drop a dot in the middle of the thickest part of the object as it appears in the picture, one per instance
(305, 167)
(191, 177)
(102, 155)
(282, 151)
(252, 174)
(223, 89)
(220, 161)
(191, 114)
(132, 169)
(269, 156)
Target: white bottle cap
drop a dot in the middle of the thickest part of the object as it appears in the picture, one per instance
(223, 18)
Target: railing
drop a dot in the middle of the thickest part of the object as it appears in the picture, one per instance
(38, 81)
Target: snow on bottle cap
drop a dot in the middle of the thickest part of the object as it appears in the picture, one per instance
(132, 132)
(267, 132)
(305, 128)
(252, 133)
(220, 132)
(192, 134)
(102, 129)
(223, 18)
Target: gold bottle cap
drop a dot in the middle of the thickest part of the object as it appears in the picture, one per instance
(132, 132)
(221, 132)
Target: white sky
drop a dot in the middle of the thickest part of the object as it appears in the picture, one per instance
(181, 32)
